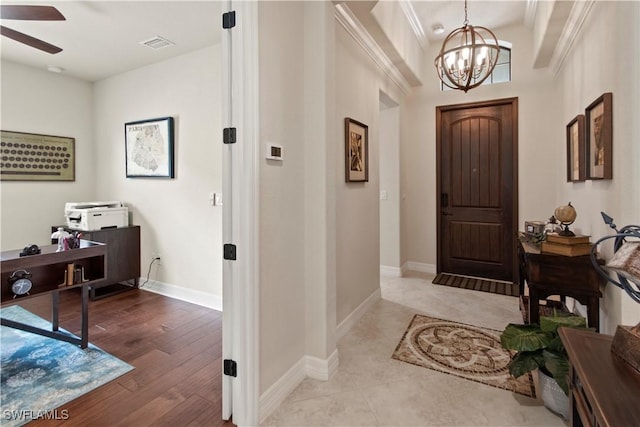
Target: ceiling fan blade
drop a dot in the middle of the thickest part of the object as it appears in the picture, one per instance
(31, 13)
(28, 40)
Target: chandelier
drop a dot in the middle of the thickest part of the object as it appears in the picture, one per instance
(468, 56)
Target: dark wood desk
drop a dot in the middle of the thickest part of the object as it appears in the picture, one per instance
(48, 271)
(604, 390)
(550, 274)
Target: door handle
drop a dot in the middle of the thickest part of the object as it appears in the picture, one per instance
(446, 213)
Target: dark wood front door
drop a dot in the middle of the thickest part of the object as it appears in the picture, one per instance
(477, 188)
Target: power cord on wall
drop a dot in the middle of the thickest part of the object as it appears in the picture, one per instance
(154, 259)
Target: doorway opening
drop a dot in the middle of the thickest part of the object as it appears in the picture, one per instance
(477, 188)
(389, 137)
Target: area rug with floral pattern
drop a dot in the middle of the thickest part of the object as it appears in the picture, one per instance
(470, 352)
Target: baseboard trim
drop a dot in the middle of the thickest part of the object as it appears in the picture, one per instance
(322, 369)
(278, 392)
(420, 267)
(356, 314)
(307, 366)
(189, 295)
(388, 271)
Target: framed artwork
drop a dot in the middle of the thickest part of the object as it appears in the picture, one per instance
(35, 157)
(599, 131)
(576, 150)
(356, 145)
(149, 148)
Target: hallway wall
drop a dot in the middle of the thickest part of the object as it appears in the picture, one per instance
(579, 83)
(358, 83)
(282, 262)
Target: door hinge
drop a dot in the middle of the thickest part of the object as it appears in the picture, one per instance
(230, 368)
(229, 135)
(229, 19)
(229, 251)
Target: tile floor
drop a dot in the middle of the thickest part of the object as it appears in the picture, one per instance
(372, 389)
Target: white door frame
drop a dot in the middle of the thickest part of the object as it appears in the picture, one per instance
(241, 213)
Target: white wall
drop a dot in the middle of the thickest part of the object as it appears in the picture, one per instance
(320, 172)
(175, 216)
(593, 67)
(537, 147)
(396, 26)
(358, 85)
(37, 101)
(282, 207)
(299, 306)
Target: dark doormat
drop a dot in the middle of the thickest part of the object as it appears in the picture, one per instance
(477, 284)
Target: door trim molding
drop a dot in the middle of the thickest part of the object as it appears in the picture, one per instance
(514, 208)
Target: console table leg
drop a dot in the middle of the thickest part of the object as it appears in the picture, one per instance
(534, 305)
(593, 313)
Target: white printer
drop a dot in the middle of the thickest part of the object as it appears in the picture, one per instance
(91, 216)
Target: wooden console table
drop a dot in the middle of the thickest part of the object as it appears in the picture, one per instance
(604, 390)
(48, 271)
(550, 274)
(123, 261)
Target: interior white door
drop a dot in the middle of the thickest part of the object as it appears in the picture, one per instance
(227, 279)
(240, 341)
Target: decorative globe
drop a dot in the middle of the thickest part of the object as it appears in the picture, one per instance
(566, 215)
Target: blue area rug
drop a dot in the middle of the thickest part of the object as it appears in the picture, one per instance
(39, 374)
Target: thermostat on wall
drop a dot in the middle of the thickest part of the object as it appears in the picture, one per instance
(274, 152)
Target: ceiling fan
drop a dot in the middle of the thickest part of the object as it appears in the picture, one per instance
(30, 13)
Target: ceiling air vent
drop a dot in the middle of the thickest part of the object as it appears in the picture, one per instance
(157, 42)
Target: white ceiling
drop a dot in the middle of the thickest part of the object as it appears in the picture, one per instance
(450, 14)
(102, 38)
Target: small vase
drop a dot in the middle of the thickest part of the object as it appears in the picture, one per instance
(552, 395)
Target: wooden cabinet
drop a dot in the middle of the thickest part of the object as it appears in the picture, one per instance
(123, 266)
(48, 273)
(551, 274)
(604, 390)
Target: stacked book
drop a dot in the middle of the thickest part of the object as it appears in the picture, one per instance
(565, 245)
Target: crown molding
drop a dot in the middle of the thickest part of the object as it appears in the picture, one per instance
(530, 13)
(348, 20)
(579, 13)
(415, 23)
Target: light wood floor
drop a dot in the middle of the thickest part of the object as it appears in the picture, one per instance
(175, 347)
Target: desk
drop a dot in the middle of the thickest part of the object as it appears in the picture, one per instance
(550, 274)
(48, 275)
(604, 390)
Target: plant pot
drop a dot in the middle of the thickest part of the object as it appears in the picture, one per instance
(552, 395)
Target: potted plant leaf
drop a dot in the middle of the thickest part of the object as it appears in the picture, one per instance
(540, 347)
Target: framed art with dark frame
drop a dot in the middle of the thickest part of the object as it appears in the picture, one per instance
(576, 150)
(599, 132)
(356, 136)
(149, 148)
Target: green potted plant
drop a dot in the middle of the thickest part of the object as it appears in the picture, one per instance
(539, 347)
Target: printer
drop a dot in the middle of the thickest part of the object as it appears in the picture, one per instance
(91, 216)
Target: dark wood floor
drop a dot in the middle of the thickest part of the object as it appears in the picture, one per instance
(175, 347)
